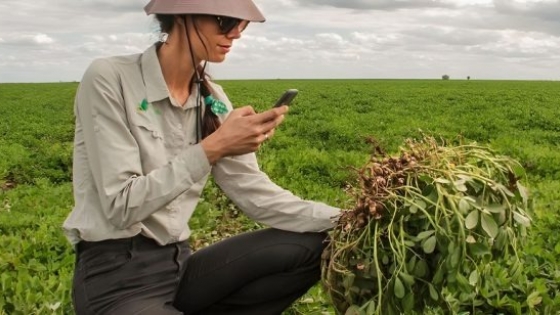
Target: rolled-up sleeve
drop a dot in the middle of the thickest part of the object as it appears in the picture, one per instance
(127, 194)
(262, 200)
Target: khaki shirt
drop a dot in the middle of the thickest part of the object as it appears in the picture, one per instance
(138, 169)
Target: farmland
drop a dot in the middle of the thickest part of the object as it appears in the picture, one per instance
(311, 154)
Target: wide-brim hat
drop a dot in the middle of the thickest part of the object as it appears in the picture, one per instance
(240, 9)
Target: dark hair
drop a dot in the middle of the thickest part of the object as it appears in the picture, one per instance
(210, 122)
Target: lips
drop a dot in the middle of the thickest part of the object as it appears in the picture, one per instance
(225, 48)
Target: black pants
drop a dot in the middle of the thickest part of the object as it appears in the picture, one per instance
(260, 272)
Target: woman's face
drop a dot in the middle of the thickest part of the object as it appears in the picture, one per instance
(209, 42)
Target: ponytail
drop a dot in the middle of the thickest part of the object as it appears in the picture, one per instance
(210, 121)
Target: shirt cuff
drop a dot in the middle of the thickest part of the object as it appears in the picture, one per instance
(329, 215)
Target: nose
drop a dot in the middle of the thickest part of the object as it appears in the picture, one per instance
(235, 33)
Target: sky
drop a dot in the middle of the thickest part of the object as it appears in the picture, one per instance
(55, 40)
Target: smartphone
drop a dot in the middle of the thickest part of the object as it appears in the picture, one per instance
(286, 98)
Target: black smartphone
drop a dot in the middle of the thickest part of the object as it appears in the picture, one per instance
(286, 98)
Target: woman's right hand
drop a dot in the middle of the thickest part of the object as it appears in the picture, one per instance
(242, 132)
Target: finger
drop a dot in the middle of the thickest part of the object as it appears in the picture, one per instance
(262, 138)
(270, 133)
(271, 124)
(245, 111)
(271, 114)
(282, 109)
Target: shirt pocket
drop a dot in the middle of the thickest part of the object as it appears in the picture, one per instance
(150, 140)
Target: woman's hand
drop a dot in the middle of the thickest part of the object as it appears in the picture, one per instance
(242, 132)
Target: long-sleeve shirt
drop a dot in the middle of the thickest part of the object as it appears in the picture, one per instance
(138, 168)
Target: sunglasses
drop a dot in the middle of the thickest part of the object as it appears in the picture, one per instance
(227, 24)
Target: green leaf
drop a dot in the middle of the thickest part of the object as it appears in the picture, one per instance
(455, 257)
(442, 181)
(408, 243)
(460, 187)
(429, 245)
(370, 307)
(413, 209)
(423, 235)
(348, 281)
(399, 288)
(472, 220)
(504, 190)
(557, 248)
(465, 178)
(408, 279)
(421, 269)
(463, 283)
(385, 260)
(408, 303)
(489, 225)
(521, 219)
(473, 278)
(523, 192)
(421, 204)
(478, 249)
(411, 265)
(438, 277)
(464, 205)
(495, 208)
(501, 240)
(534, 299)
(433, 293)
(429, 189)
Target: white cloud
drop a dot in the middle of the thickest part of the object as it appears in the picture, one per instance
(56, 39)
(43, 39)
(25, 39)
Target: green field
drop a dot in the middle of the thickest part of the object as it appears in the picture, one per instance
(311, 154)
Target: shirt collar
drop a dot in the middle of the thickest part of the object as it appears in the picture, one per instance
(156, 89)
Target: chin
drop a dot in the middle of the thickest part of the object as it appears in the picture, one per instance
(217, 59)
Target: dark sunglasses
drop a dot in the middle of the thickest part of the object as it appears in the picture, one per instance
(227, 24)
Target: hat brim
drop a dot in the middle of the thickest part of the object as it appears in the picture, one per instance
(240, 9)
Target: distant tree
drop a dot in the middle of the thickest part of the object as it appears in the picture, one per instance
(445, 77)
(469, 77)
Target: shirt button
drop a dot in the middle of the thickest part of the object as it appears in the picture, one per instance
(180, 126)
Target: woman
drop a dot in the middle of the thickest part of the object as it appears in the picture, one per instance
(150, 128)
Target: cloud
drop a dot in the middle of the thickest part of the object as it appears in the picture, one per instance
(24, 39)
(540, 10)
(384, 5)
(541, 16)
(515, 44)
(56, 40)
(452, 36)
(120, 6)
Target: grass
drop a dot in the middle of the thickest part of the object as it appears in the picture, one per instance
(312, 154)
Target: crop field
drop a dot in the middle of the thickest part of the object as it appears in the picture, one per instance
(313, 154)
